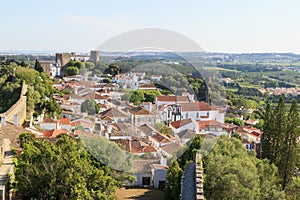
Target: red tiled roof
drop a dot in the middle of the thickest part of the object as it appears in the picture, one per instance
(157, 166)
(140, 147)
(180, 123)
(255, 134)
(203, 124)
(159, 138)
(65, 121)
(84, 123)
(54, 133)
(140, 111)
(204, 116)
(172, 98)
(112, 112)
(195, 106)
(171, 148)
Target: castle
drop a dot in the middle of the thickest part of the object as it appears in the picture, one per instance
(57, 68)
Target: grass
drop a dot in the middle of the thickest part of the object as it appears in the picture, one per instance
(218, 69)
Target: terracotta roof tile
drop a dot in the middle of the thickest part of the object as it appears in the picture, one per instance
(140, 111)
(169, 98)
(171, 148)
(159, 138)
(112, 112)
(180, 123)
(65, 121)
(54, 133)
(203, 124)
(195, 106)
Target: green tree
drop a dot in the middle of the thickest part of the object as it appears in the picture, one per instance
(107, 153)
(267, 137)
(70, 71)
(280, 122)
(112, 69)
(89, 65)
(60, 171)
(79, 64)
(232, 173)
(126, 96)
(290, 145)
(90, 106)
(71, 63)
(151, 95)
(137, 97)
(293, 189)
(52, 108)
(37, 66)
(174, 182)
(235, 121)
(106, 80)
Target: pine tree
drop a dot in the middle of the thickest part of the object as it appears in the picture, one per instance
(37, 66)
(268, 132)
(280, 123)
(174, 181)
(289, 150)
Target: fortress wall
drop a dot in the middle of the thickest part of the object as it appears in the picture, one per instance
(18, 108)
(199, 177)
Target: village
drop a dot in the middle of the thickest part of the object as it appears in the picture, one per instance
(153, 131)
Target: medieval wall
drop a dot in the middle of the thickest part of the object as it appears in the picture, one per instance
(19, 108)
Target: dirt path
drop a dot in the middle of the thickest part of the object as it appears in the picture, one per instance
(7, 165)
(140, 194)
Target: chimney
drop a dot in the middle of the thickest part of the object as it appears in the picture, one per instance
(109, 128)
(16, 120)
(3, 120)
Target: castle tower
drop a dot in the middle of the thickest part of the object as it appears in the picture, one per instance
(95, 56)
(63, 58)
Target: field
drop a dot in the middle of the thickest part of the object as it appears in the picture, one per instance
(140, 194)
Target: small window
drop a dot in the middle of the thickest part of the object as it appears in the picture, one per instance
(197, 115)
(146, 181)
(187, 115)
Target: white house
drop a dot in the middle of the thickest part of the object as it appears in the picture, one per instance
(49, 124)
(201, 111)
(159, 176)
(142, 172)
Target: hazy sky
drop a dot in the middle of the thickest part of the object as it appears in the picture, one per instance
(216, 25)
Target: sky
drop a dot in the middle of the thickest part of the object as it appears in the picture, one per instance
(229, 26)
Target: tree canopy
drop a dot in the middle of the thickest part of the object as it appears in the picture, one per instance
(90, 106)
(280, 142)
(232, 173)
(37, 66)
(61, 170)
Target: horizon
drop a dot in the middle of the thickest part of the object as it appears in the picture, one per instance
(48, 52)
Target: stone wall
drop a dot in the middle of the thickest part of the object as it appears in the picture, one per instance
(199, 177)
(192, 180)
(19, 108)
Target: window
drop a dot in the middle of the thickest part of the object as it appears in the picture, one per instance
(187, 115)
(146, 181)
(197, 115)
